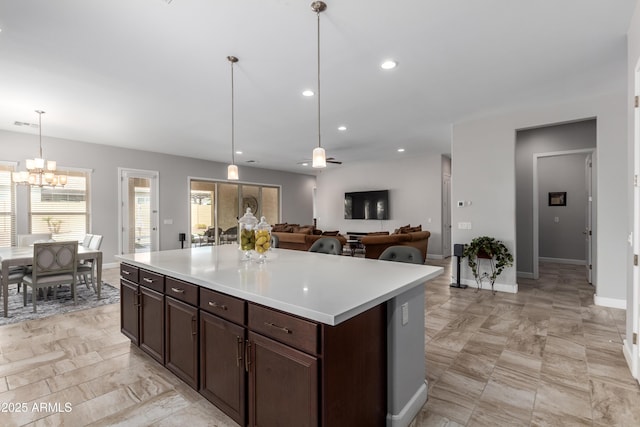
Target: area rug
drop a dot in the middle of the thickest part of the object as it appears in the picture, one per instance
(62, 304)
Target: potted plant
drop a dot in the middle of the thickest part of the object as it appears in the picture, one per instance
(488, 248)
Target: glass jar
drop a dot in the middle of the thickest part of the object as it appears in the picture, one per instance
(246, 234)
(263, 239)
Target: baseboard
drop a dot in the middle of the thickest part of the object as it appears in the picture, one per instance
(435, 256)
(610, 302)
(629, 358)
(500, 287)
(410, 410)
(563, 260)
(525, 275)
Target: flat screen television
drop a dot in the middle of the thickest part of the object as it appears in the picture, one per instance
(366, 205)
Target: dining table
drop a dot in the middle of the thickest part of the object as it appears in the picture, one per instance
(23, 256)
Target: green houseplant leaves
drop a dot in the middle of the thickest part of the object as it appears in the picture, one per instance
(488, 247)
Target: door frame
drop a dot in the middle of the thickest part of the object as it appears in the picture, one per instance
(536, 213)
(446, 215)
(123, 175)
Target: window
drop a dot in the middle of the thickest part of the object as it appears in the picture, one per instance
(62, 211)
(7, 205)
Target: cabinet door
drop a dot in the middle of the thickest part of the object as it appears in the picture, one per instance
(222, 367)
(283, 384)
(181, 340)
(129, 316)
(152, 323)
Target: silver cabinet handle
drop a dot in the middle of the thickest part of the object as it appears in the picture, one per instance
(216, 305)
(282, 328)
(144, 279)
(125, 272)
(178, 291)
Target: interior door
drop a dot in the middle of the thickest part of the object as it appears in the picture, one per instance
(138, 211)
(588, 231)
(446, 215)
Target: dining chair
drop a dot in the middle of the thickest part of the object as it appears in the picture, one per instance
(16, 275)
(87, 240)
(400, 253)
(25, 240)
(54, 264)
(85, 269)
(327, 245)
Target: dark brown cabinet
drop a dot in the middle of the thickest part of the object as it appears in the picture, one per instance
(222, 365)
(129, 316)
(283, 384)
(152, 323)
(261, 366)
(181, 340)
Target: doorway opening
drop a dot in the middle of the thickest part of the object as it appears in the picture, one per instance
(564, 209)
(138, 218)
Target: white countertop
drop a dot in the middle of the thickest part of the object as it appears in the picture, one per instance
(326, 288)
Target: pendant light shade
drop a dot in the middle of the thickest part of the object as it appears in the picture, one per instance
(232, 169)
(319, 159)
(232, 172)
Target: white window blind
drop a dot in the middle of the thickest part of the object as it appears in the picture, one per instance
(7, 206)
(62, 211)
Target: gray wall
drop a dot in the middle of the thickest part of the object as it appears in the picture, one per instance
(484, 172)
(563, 137)
(561, 227)
(415, 195)
(173, 184)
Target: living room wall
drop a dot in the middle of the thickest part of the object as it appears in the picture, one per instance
(484, 173)
(415, 196)
(297, 189)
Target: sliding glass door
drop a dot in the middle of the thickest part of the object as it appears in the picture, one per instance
(216, 206)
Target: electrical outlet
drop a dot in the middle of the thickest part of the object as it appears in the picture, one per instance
(405, 313)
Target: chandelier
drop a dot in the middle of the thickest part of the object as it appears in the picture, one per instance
(40, 173)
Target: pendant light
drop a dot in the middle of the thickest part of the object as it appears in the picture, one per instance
(232, 169)
(40, 173)
(319, 157)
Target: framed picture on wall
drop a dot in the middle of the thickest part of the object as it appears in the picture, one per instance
(557, 198)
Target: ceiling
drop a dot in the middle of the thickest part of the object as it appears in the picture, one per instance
(153, 74)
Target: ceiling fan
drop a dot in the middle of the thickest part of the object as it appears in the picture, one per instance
(329, 160)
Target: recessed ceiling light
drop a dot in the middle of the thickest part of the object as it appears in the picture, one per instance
(400, 150)
(308, 92)
(342, 128)
(388, 65)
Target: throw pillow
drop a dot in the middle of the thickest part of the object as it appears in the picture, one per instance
(330, 233)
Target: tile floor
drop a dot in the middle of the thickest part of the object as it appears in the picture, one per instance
(544, 356)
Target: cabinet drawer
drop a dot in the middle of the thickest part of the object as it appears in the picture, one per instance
(129, 272)
(182, 291)
(296, 332)
(152, 280)
(222, 305)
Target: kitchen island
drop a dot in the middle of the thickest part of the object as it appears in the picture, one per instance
(307, 338)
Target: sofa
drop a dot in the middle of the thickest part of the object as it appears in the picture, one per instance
(297, 237)
(374, 245)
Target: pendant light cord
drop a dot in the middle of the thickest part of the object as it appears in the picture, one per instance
(318, 14)
(233, 149)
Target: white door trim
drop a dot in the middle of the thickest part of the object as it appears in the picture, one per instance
(153, 176)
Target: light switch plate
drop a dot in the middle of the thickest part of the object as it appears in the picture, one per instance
(405, 313)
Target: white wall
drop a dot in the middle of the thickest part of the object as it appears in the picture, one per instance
(173, 172)
(415, 196)
(483, 153)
